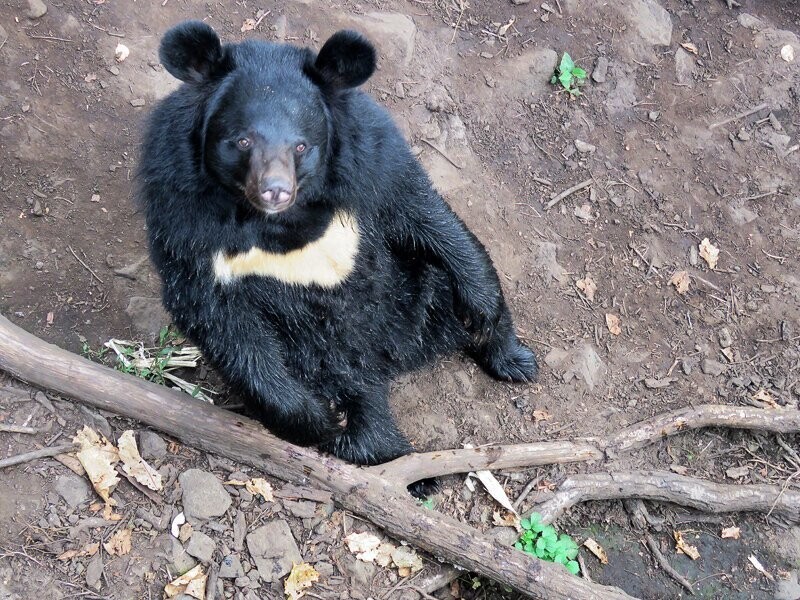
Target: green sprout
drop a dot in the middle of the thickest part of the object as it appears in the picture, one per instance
(569, 75)
(543, 542)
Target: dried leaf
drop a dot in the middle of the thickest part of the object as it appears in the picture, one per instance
(383, 556)
(87, 550)
(597, 550)
(738, 472)
(614, 324)
(504, 28)
(731, 533)
(134, 465)
(764, 396)
(679, 469)
(759, 567)
(97, 457)
(587, 286)
(363, 545)
(248, 25)
(685, 548)
(406, 560)
(541, 415)
(584, 212)
(690, 47)
(495, 490)
(505, 520)
(260, 487)
(681, 281)
(301, 577)
(119, 544)
(121, 52)
(185, 532)
(192, 583)
(709, 252)
(179, 520)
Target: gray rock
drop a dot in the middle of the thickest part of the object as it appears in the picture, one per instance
(301, 509)
(201, 546)
(230, 567)
(274, 550)
(725, 338)
(751, 22)
(584, 147)
(325, 569)
(94, 571)
(147, 315)
(788, 589)
(581, 362)
(73, 489)
(203, 495)
(518, 2)
(239, 531)
(36, 10)
(600, 70)
(712, 367)
(97, 421)
(684, 67)
(654, 115)
(649, 18)
(151, 446)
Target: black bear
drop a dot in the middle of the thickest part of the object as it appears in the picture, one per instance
(302, 246)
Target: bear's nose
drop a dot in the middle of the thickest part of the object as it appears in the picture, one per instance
(276, 190)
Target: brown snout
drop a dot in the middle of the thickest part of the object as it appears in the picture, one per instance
(271, 183)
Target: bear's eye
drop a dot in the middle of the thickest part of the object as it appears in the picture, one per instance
(300, 148)
(243, 143)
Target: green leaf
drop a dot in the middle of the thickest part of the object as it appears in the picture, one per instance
(566, 79)
(567, 64)
(529, 548)
(162, 335)
(535, 517)
(573, 567)
(549, 532)
(560, 558)
(572, 553)
(554, 79)
(429, 503)
(525, 524)
(541, 544)
(518, 545)
(578, 73)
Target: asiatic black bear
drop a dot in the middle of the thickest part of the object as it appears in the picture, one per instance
(302, 246)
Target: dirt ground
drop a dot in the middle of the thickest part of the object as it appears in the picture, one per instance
(663, 129)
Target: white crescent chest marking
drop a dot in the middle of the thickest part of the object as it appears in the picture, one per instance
(326, 262)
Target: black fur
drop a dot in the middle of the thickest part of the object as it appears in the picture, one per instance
(423, 285)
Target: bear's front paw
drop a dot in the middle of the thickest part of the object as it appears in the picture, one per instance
(513, 362)
(479, 313)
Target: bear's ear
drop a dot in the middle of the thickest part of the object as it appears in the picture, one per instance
(191, 52)
(346, 60)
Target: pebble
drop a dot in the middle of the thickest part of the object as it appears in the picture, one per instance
(725, 338)
(712, 367)
(37, 210)
(73, 489)
(584, 147)
(231, 567)
(151, 446)
(94, 570)
(201, 546)
(137, 102)
(36, 10)
(518, 2)
(114, 70)
(274, 550)
(694, 256)
(654, 115)
(203, 494)
(600, 70)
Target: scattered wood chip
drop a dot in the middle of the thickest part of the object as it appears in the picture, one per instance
(185, 532)
(679, 469)
(541, 415)
(119, 544)
(406, 560)
(657, 384)
(596, 549)
(685, 548)
(681, 281)
(738, 472)
(248, 25)
(179, 520)
(121, 52)
(690, 47)
(495, 490)
(732, 533)
(363, 545)
(134, 465)
(87, 550)
(587, 286)
(759, 567)
(192, 583)
(97, 457)
(301, 577)
(614, 324)
(504, 520)
(257, 486)
(764, 396)
(709, 252)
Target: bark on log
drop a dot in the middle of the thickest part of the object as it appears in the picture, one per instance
(359, 490)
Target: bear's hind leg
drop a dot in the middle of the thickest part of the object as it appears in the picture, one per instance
(503, 356)
(372, 437)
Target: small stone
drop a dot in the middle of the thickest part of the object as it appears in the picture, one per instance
(518, 2)
(712, 367)
(151, 446)
(584, 147)
(243, 581)
(137, 102)
(203, 495)
(201, 546)
(37, 210)
(743, 135)
(94, 571)
(694, 257)
(113, 69)
(654, 115)
(73, 489)
(39, 265)
(725, 338)
(230, 567)
(486, 55)
(325, 569)
(738, 472)
(274, 550)
(776, 124)
(301, 509)
(686, 367)
(36, 10)
(399, 90)
(600, 70)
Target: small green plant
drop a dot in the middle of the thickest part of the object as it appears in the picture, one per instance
(569, 75)
(543, 542)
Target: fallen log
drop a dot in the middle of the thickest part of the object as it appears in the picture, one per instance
(362, 491)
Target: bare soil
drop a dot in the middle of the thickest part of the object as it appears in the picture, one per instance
(501, 141)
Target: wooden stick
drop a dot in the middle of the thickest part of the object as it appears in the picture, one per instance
(358, 490)
(664, 563)
(34, 454)
(669, 487)
(741, 115)
(567, 192)
(17, 429)
(443, 153)
(85, 266)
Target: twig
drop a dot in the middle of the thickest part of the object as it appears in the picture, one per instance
(567, 192)
(527, 490)
(17, 429)
(669, 487)
(584, 569)
(443, 153)
(664, 563)
(741, 115)
(759, 196)
(33, 455)
(85, 266)
(49, 37)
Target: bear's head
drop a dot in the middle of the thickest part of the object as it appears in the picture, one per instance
(264, 114)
